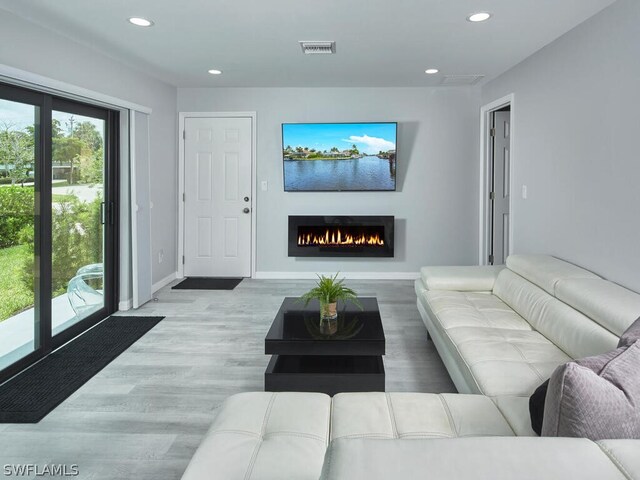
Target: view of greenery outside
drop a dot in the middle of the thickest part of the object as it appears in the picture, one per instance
(305, 153)
(78, 162)
(14, 296)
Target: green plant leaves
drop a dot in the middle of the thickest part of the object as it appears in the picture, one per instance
(330, 290)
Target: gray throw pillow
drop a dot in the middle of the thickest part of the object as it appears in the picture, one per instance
(630, 335)
(596, 397)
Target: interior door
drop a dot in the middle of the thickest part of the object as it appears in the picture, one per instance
(217, 202)
(500, 188)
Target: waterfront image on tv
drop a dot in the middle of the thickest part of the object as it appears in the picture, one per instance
(339, 156)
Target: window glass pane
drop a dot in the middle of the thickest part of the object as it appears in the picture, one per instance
(18, 321)
(77, 229)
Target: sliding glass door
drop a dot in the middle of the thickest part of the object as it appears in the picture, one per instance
(77, 203)
(19, 327)
(58, 238)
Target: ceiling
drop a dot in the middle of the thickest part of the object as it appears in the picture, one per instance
(255, 42)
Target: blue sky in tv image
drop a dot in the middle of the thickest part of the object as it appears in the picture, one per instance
(339, 157)
(370, 138)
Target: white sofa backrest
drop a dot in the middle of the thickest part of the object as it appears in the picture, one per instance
(573, 332)
(579, 311)
(545, 271)
(612, 306)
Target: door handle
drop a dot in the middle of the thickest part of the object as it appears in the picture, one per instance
(246, 210)
(246, 199)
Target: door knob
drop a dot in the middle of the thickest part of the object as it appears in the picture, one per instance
(246, 199)
(246, 210)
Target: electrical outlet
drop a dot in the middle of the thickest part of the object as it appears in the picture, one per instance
(161, 256)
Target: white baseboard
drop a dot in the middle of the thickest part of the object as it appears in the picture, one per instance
(164, 282)
(125, 305)
(348, 275)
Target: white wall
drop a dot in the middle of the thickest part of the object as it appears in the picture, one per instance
(32, 48)
(436, 202)
(576, 123)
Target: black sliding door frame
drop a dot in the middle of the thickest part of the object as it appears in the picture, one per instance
(21, 95)
(110, 216)
(44, 341)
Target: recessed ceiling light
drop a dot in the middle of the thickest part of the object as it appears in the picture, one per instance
(140, 22)
(213, 71)
(431, 71)
(479, 17)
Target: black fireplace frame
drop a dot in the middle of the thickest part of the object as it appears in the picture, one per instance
(387, 221)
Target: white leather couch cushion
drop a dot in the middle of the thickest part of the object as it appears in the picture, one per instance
(612, 306)
(625, 454)
(515, 410)
(491, 343)
(463, 279)
(545, 271)
(577, 335)
(489, 458)
(507, 362)
(458, 370)
(468, 309)
(518, 378)
(263, 436)
(414, 415)
(487, 347)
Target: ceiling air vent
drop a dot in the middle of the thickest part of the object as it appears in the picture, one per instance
(318, 48)
(454, 80)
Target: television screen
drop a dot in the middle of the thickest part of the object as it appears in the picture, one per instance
(342, 157)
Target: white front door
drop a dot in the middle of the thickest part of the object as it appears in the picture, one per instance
(217, 202)
(501, 189)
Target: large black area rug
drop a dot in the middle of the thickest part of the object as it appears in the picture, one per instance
(31, 395)
(207, 283)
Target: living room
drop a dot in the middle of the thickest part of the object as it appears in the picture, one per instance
(567, 72)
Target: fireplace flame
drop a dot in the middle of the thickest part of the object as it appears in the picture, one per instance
(335, 237)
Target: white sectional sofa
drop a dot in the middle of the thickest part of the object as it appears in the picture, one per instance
(501, 332)
(378, 436)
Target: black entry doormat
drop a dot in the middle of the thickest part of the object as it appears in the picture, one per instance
(32, 394)
(207, 283)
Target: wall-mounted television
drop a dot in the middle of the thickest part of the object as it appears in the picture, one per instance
(339, 157)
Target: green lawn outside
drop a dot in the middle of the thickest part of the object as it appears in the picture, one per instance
(14, 296)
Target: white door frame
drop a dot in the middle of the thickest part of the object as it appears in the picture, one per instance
(485, 158)
(181, 120)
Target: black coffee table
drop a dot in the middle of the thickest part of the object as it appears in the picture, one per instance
(306, 360)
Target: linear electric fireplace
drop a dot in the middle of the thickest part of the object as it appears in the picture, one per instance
(341, 236)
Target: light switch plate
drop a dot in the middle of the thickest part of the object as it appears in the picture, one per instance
(524, 192)
(264, 185)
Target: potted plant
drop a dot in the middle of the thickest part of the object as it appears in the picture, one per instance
(328, 291)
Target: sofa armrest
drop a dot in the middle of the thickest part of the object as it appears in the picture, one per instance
(465, 279)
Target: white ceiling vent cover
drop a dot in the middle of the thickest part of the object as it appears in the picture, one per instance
(318, 48)
(454, 80)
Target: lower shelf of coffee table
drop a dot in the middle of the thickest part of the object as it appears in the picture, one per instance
(325, 374)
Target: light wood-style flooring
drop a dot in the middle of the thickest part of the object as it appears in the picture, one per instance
(143, 416)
